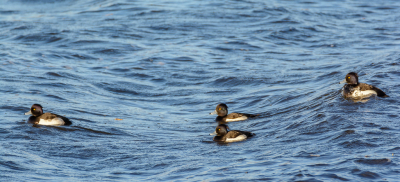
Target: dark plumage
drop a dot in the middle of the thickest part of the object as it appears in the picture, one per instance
(47, 118)
(223, 135)
(223, 116)
(355, 89)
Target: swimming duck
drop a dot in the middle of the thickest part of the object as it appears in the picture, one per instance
(355, 89)
(47, 118)
(223, 116)
(223, 135)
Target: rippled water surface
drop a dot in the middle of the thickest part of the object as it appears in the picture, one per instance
(162, 66)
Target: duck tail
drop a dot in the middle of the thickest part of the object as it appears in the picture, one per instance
(379, 92)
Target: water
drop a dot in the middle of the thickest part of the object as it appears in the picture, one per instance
(162, 66)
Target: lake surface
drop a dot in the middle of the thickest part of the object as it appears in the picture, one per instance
(163, 66)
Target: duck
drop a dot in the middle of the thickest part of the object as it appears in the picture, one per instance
(223, 135)
(47, 118)
(223, 116)
(354, 89)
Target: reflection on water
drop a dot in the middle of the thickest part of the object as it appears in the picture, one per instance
(360, 99)
(161, 66)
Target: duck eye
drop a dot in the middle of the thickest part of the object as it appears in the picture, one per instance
(219, 108)
(348, 77)
(219, 129)
(33, 109)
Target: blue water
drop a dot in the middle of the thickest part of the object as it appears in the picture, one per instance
(162, 66)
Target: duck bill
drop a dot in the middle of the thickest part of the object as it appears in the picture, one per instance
(343, 81)
(215, 112)
(215, 133)
(28, 113)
